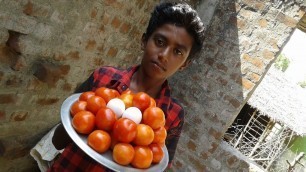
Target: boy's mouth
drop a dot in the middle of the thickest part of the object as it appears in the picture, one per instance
(159, 65)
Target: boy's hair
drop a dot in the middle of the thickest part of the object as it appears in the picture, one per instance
(180, 14)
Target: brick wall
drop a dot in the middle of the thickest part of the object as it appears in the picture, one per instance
(243, 39)
(48, 47)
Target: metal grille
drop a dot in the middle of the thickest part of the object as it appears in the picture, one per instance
(260, 139)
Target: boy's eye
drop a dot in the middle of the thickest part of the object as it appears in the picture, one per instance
(178, 52)
(159, 42)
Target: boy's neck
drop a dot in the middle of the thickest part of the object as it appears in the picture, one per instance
(141, 82)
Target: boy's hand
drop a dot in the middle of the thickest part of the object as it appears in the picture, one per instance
(60, 138)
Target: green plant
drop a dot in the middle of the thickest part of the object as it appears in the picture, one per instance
(303, 84)
(282, 62)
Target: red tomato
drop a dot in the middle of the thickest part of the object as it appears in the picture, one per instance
(125, 130)
(94, 103)
(127, 99)
(143, 157)
(141, 100)
(106, 93)
(115, 92)
(114, 141)
(152, 102)
(154, 117)
(145, 135)
(86, 95)
(83, 122)
(128, 91)
(105, 119)
(99, 140)
(157, 151)
(160, 135)
(123, 153)
(77, 107)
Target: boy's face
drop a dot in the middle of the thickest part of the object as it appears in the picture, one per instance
(166, 51)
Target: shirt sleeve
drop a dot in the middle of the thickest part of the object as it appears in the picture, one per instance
(85, 86)
(173, 136)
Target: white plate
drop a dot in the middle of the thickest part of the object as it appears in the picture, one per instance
(105, 158)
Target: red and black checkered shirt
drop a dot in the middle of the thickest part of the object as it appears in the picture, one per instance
(74, 159)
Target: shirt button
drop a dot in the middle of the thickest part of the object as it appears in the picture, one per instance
(124, 87)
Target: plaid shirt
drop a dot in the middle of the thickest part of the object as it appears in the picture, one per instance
(74, 159)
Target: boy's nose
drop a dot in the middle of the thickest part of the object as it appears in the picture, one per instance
(163, 54)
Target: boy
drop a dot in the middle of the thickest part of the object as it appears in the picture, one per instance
(174, 34)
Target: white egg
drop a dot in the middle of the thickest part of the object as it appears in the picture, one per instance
(133, 113)
(117, 105)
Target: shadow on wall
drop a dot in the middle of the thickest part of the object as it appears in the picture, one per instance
(211, 92)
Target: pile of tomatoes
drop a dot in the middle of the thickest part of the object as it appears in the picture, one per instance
(130, 125)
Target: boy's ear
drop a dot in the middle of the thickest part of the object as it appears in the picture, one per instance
(185, 64)
(143, 41)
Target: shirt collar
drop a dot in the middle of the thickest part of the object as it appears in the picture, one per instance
(123, 82)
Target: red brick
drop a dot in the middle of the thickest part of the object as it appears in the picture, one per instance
(19, 116)
(2, 148)
(100, 48)
(212, 117)
(112, 52)
(222, 81)
(67, 87)
(109, 2)
(193, 135)
(50, 73)
(19, 64)
(106, 18)
(254, 77)
(125, 27)
(135, 32)
(232, 161)
(255, 4)
(255, 61)
(91, 44)
(140, 3)
(247, 84)
(191, 146)
(14, 81)
(263, 23)
(288, 21)
(28, 8)
(8, 99)
(197, 164)
(268, 54)
(241, 24)
(217, 135)
(129, 11)
(1, 75)
(234, 102)
(2, 116)
(99, 61)
(34, 84)
(102, 29)
(116, 22)
(59, 57)
(204, 155)
(209, 61)
(178, 164)
(221, 67)
(213, 148)
(47, 101)
(37, 10)
(13, 41)
(74, 55)
(93, 13)
(236, 77)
